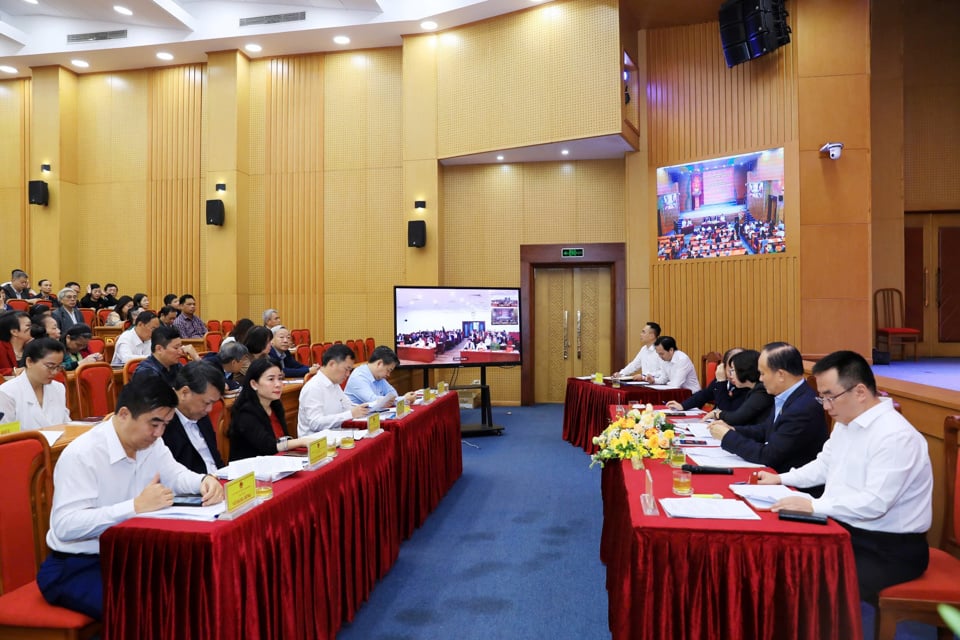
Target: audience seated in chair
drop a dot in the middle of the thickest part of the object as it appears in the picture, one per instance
(34, 398)
(135, 342)
(190, 435)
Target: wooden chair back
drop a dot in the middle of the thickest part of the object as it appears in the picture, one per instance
(18, 305)
(360, 351)
(316, 351)
(950, 540)
(95, 389)
(129, 368)
(102, 316)
(109, 347)
(303, 354)
(24, 510)
(226, 326)
(888, 308)
(89, 316)
(46, 303)
(708, 367)
(309, 375)
(370, 345)
(216, 417)
(212, 340)
(96, 345)
(213, 325)
(223, 432)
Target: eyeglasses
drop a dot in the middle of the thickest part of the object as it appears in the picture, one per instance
(52, 368)
(831, 399)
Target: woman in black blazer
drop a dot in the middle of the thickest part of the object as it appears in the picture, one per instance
(258, 426)
(744, 374)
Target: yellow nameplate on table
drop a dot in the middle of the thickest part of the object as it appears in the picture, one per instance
(428, 395)
(442, 387)
(598, 378)
(373, 423)
(317, 451)
(240, 492)
(10, 427)
(401, 407)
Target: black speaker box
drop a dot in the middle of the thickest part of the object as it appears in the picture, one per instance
(38, 192)
(215, 212)
(416, 233)
(881, 357)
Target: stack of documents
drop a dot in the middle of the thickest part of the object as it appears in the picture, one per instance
(265, 467)
(717, 457)
(707, 508)
(762, 496)
(334, 436)
(187, 513)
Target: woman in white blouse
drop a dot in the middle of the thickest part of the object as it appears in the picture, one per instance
(34, 398)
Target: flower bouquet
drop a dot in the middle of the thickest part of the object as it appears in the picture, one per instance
(634, 436)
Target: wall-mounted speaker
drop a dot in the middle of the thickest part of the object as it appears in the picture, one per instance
(38, 192)
(215, 212)
(416, 233)
(752, 28)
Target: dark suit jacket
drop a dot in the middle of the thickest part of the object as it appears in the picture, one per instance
(251, 433)
(754, 409)
(63, 318)
(717, 393)
(183, 450)
(290, 365)
(793, 440)
(13, 294)
(152, 367)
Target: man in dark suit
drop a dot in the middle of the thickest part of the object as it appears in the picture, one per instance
(190, 435)
(67, 314)
(794, 432)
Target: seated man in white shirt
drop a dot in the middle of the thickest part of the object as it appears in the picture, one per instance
(323, 405)
(646, 361)
(877, 476)
(676, 368)
(135, 341)
(190, 435)
(118, 469)
(368, 382)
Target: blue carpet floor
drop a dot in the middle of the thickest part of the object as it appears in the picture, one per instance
(512, 551)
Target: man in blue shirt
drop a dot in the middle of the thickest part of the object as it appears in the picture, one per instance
(368, 383)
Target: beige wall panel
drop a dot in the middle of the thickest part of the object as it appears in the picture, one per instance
(831, 324)
(419, 78)
(113, 245)
(421, 181)
(698, 108)
(825, 192)
(836, 261)
(932, 143)
(835, 109)
(834, 36)
(15, 171)
(545, 74)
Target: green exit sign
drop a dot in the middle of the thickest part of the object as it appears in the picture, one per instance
(571, 253)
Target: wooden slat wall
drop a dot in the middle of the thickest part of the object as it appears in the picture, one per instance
(698, 109)
(15, 110)
(293, 191)
(175, 201)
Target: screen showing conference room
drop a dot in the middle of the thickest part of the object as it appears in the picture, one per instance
(456, 326)
(721, 207)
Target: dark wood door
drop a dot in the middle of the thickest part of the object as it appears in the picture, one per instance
(948, 284)
(914, 286)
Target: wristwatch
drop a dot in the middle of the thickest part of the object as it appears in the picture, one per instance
(282, 443)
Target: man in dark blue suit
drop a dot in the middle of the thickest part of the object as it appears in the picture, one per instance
(794, 432)
(190, 434)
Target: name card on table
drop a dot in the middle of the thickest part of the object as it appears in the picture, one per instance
(598, 378)
(240, 495)
(442, 387)
(429, 395)
(10, 427)
(317, 453)
(401, 407)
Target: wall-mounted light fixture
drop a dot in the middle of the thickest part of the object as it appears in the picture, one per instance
(45, 168)
(221, 186)
(419, 204)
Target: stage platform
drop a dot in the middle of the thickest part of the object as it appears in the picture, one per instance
(935, 372)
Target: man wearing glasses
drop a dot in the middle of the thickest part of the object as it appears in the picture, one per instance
(876, 468)
(323, 405)
(368, 382)
(794, 432)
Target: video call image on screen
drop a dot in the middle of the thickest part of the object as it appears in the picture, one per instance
(722, 207)
(457, 326)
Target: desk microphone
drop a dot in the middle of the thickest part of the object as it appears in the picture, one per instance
(695, 468)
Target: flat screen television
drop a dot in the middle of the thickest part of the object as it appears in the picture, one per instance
(457, 326)
(730, 206)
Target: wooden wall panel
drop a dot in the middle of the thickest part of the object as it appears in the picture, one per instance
(175, 210)
(14, 173)
(293, 185)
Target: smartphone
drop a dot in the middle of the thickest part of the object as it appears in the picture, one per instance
(187, 501)
(692, 442)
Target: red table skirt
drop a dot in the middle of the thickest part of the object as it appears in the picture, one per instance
(755, 580)
(294, 567)
(585, 407)
(429, 458)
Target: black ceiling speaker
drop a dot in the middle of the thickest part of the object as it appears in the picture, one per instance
(752, 28)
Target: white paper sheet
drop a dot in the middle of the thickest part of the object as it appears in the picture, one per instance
(762, 496)
(265, 467)
(51, 436)
(717, 457)
(707, 508)
(660, 387)
(187, 513)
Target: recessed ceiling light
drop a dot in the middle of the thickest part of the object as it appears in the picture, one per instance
(32, 1)
(83, 64)
(122, 10)
(253, 48)
(500, 158)
(341, 39)
(8, 69)
(564, 152)
(163, 55)
(428, 25)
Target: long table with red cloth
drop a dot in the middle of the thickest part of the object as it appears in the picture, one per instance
(585, 407)
(764, 579)
(429, 458)
(296, 566)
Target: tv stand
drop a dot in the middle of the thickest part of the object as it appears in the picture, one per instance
(486, 426)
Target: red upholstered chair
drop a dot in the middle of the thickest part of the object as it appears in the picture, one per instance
(226, 326)
(129, 368)
(360, 351)
(370, 345)
(95, 389)
(212, 340)
(888, 320)
(96, 345)
(102, 315)
(216, 417)
(25, 513)
(303, 354)
(353, 347)
(317, 349)
(213, 325)
(46, 303)
(918, 599)
(309, 375)
(89, 316)
(708, 367)
(18, 305)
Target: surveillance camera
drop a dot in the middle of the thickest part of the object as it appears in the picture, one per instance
(833, 149)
